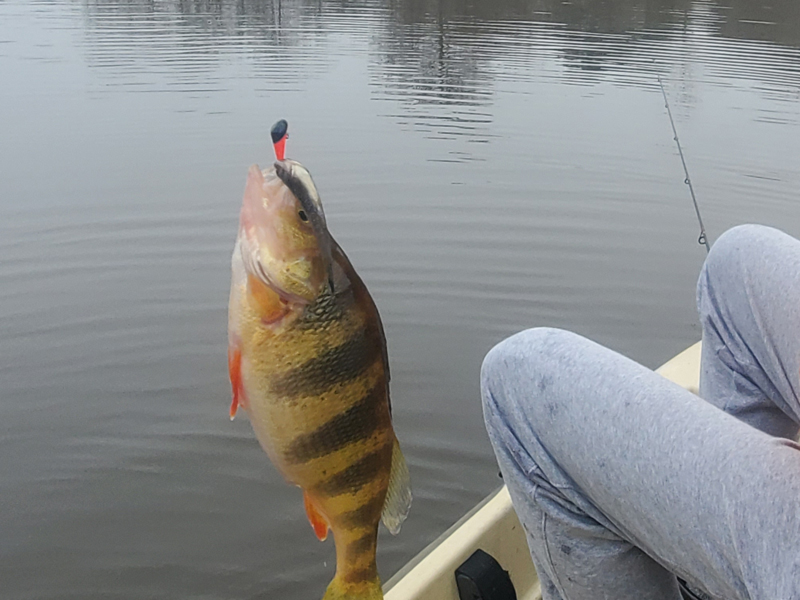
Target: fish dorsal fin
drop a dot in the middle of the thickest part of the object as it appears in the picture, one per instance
(398, 496)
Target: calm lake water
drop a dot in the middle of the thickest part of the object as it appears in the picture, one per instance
(488, 166)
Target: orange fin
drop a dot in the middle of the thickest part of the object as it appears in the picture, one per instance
(266, 301)
(317, 521)
(235, 373)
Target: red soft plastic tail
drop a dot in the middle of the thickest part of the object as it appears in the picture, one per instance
(279, 133)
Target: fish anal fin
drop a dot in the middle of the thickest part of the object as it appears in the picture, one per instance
(316, 519)
(235, 374)
(398, 495)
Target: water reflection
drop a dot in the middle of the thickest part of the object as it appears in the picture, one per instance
(437, 63)
(190, 41)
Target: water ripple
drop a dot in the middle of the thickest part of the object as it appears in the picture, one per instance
(488, 166)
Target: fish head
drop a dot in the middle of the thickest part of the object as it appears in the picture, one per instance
(283, 235)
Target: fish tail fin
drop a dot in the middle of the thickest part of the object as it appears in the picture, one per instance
(369, 589)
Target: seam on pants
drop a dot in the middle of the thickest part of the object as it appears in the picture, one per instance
(553, 573)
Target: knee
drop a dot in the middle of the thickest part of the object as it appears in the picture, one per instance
(522, 389)
(506, 357)
(732, 256)
(739, 243)
(743, 234)
(520, 361)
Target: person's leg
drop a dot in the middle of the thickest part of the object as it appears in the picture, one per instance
(622, 478)
(748, 297)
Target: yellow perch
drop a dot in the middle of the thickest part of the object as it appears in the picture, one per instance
(307, 361)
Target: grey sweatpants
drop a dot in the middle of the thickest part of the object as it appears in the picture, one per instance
(623, 480)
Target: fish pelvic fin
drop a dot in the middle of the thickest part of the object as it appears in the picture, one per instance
(398, 495)
(369, 589)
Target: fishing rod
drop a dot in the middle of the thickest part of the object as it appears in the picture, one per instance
(703, 239)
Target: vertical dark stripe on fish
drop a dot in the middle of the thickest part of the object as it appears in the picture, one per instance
(357, 475)
(366, 574)
(356, 423)
(362, 545)
(366, 514)
(336, 365)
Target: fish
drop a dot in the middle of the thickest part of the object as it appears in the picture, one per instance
(308, 363)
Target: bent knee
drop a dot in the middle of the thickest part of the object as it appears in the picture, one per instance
(518, 350)
(741, 243)
(737, 259)
(524, 359)
(746, 233)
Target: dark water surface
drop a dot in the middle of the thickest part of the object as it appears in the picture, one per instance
(487, 165)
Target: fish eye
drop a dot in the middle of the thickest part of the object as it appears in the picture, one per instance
(303, 216)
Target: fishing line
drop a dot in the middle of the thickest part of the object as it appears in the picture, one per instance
(703, 239)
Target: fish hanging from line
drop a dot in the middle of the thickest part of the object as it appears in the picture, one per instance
(307, 362)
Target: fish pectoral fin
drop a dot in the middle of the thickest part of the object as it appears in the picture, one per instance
(235, 374)
(398, 495)
(318, 522)
(265, 301)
